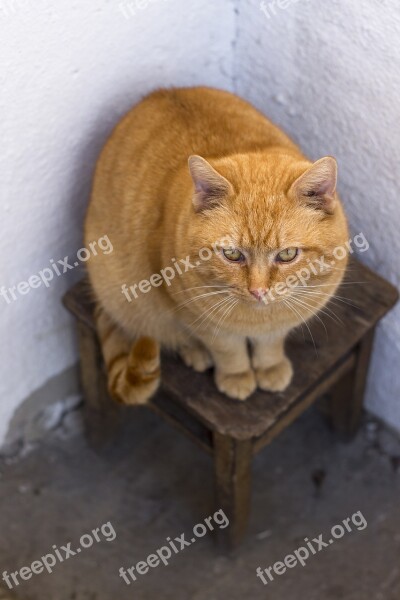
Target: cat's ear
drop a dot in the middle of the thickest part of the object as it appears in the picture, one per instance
(317, 186)
(210, 187)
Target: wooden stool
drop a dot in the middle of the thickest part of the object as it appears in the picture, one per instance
(233, 432)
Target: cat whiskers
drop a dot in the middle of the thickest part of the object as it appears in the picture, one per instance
(308, 291)
(311, 290)
(286, 301)
(198, 297)
(226, 313)
(316, 308)
(205, 315)
(200, 287)
(312, 309)
(330, 284)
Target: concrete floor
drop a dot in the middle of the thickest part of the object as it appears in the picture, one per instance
(154, 483)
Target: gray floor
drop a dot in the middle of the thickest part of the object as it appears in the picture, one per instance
(155, 484)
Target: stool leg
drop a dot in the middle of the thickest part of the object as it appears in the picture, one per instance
(101, 414)
(347, 396)
(232, 463)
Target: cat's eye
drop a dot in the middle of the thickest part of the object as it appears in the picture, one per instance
(287, 255)
(233, 255)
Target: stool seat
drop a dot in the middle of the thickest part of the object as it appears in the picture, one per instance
(330, 356)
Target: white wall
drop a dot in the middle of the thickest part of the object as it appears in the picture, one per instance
(329, 73)
(70, 69)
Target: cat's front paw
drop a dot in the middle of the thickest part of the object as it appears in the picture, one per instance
(276, 378)
(238, 386)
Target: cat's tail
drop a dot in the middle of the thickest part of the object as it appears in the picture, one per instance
(133, 369)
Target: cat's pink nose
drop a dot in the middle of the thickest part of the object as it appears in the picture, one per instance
(259, 293)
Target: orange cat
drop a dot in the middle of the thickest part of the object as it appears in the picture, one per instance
(208, 206)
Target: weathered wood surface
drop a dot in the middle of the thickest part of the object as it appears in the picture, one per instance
(347, 395)
(232, 471)
(102, 416)
(368, 299)
(340, 373)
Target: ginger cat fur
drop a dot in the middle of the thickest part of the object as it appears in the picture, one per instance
(185, 169)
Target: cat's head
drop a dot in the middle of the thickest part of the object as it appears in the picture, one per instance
(268, 218)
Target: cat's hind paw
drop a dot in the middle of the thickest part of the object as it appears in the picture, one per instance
(196, 357)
